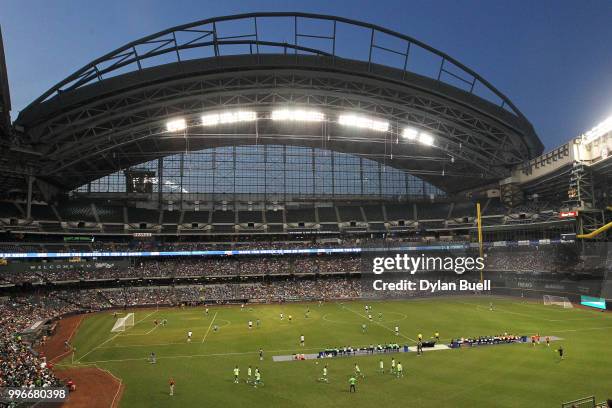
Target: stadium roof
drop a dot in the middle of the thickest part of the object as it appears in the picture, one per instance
(113, 112)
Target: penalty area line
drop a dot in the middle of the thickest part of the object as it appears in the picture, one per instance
(111, 338)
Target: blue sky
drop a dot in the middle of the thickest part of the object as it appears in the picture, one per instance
(552, 58)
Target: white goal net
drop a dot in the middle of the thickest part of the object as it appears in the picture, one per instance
(123, 323)
(557, 301)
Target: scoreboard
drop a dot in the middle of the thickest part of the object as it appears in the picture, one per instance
(139, 181)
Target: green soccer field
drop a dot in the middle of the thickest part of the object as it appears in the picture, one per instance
(514, 375)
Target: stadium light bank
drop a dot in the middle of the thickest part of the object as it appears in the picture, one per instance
(302, 115)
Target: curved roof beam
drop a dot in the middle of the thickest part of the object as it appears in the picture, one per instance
(166, 42)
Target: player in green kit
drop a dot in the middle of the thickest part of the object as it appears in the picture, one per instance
(258, 380)
(324, 378)
(352, 384)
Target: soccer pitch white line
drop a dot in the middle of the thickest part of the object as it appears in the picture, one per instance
(111, 338)
(238, 353)
(209, 326)
(527, 315)
(375, 322)
(579, 330)
(533, 316)
(142, 345)
(143, 334)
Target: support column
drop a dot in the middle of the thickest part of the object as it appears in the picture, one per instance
(160, 182)
(29, 203)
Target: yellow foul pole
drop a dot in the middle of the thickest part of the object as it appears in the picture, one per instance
(479, 220)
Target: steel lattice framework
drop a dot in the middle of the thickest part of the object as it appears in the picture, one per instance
(112, 113)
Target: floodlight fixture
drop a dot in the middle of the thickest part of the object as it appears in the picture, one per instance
(598, 131)
(176, 125)
(410, 133)
(221, 118)
(363, 122)
(426, 139)
(298, 115)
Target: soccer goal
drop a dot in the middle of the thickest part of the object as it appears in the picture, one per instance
(587, 402)
(123, 323)
(557, 301)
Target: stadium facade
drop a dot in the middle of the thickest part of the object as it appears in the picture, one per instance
(223, 134)
(391, 128)
(271, 158)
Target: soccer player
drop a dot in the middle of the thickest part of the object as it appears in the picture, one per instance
(419, 348)
(491, 306)
(352, 383)
(363, 328)
(250, 324)
(437, 336)
(420, 337)
(302, 340)
(358, 372)
(400, 370)
(189, 334)
(381, 366)
(215, 328)
(236, 375)
(393, 365)
(206, 311)
(249, 375)
(560, 350)
(370, 316)
(242, 307)
(547, 341)
(533, 341)
(324, 378)
(258, 323)
(260, 354)
(257, 377)
(282, 316)
(172, 384)
(397, 330)
(290, 317)
(152, 358)
(379, 316)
